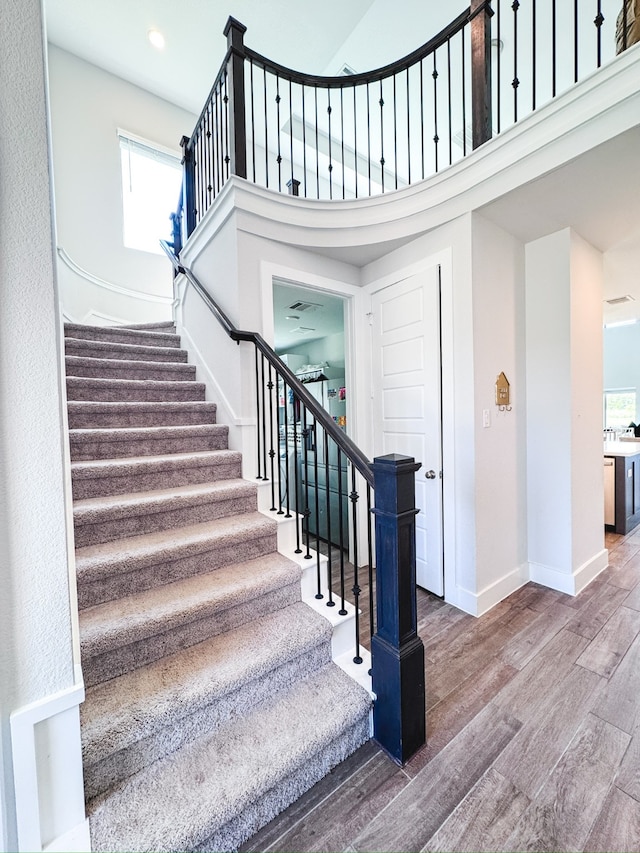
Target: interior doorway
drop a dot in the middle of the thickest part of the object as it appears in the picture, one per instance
(407, 402)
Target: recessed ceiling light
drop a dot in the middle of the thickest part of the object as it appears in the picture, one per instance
(156, 38)
(292, 317)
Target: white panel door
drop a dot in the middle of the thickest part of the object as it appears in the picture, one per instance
(407, 402)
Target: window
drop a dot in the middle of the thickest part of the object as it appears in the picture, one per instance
(619, 408)
(151, 179)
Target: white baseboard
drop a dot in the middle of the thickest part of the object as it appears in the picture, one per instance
(570, 583)
(75, 840)
(478, 603)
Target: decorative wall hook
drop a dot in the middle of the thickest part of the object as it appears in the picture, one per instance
(502, 393)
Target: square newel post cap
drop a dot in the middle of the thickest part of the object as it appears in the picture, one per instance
(394, 482)
(234, 31)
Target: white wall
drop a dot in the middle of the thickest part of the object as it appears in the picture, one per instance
(36, 650)
(500, 449)
(88, 105)
(564, 411)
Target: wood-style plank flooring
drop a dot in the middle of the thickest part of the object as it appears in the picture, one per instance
(533, 737)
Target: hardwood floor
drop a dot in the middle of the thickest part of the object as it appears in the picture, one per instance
(533, 734)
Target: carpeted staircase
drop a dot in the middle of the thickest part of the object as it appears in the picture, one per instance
(212, 702)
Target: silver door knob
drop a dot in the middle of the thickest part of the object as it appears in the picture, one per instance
(430, 475)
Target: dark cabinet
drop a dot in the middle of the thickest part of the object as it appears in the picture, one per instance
(320, 480)
(627, 493)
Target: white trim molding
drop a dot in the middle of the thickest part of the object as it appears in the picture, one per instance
(47, 768)
(570, 582)
(108, 285)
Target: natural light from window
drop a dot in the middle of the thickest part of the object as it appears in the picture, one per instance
(151, 179)
(619, 408)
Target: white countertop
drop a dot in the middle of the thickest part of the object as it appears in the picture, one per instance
(621, 448)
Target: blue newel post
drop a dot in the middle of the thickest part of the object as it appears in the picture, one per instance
(396, 649)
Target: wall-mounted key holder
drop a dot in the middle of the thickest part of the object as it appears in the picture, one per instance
(502, 393)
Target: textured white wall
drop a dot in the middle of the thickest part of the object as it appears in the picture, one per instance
(35, 629)
(88, 105)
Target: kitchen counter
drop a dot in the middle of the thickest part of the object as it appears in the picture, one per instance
(621, 448)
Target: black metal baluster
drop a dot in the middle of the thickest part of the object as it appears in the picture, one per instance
(221, 149)
(216, 151)
(266, 128)
(342, 135)
(304, 144)
(369, 138)
(436, 138)
(259, 454)
(343, 609)
(315, 94)
(381, 102)
(575, 41)
(515, 83)
(272, 452)
(296, 468)
(449, 105)
(422, 117)
(330, 160)
(291, 129)
(317, 508)
(253, 122)
(372, 594)
(464, 96)
(330, 601)
(395, 134)
(285, 459)
(408, 130)
(624, 25)
(307, 511)
(206, 157)
(264, 427)
(553, 47)
(534, 53)
(599, 21)
(498, 61)
(227, 156)
(353, 497)
(355, 140)
(279, 157)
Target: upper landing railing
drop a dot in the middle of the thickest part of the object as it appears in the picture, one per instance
(363, 134)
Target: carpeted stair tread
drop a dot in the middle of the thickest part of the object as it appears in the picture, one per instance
(133, 390)
(118, 368)
(122, 335)
(176, 686)
(115, 568)
(86, 444)
(112, 517)
(193, 796)
(101, 477)
(85, 414)
(127, 633)
(128, 352)
(160, 325)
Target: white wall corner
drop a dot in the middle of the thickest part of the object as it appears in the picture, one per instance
(585, 573)
(479, 603)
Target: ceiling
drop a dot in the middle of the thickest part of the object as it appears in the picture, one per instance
(113, 35)
(295, 326)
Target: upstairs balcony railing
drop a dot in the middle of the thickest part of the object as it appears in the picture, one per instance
(364, 134)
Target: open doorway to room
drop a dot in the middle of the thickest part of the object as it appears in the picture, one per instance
(309, 336)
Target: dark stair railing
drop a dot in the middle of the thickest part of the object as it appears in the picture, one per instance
(362, 134)
(382, 590)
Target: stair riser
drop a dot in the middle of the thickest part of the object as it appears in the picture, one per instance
(123, 659)
(96, 391)
(86, 449)
(287, 791)
(115, 485)
(94, 349)
(135, 525)
(94, 590)
(101, 775)
(138, 338)
(148, 370)
(187, 416)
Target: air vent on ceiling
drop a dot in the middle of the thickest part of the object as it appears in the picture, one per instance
(618, 300)
(346, 71)
(302, 330)
(305, 306)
